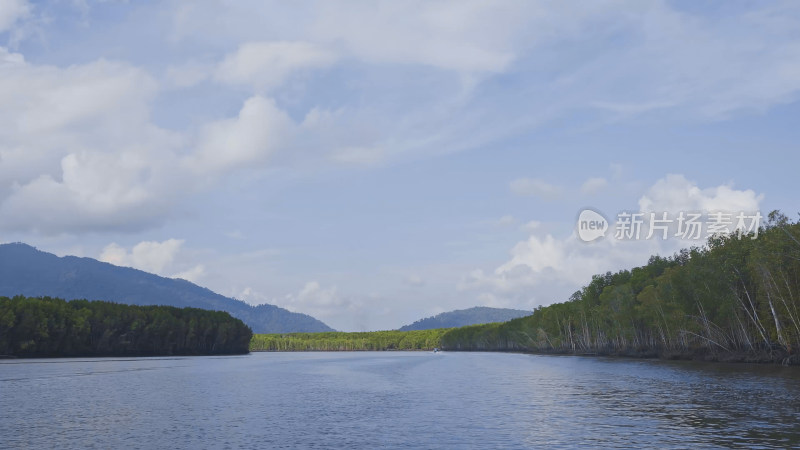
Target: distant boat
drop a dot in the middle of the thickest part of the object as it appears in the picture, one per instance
(435, 349)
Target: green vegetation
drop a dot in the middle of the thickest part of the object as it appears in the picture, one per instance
(734, 299)
(39, 327)
(339, 341)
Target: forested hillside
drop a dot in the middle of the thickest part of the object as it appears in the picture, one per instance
(27, 271)
(463, 317)
(39, 327)
(734, 299)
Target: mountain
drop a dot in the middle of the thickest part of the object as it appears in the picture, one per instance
(27, 271)
(462, 317)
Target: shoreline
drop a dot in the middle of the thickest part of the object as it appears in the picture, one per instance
(778, 359)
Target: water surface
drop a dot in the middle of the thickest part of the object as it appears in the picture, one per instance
(394, 399)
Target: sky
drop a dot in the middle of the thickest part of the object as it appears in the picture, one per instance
(374, 162)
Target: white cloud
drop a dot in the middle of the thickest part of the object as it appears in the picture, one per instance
(312, 294)
(250, 138)
(536, 254)
(745, 61)
(194, 274)
(265, 65)
(41, 100)
(94, 191)
(11, 11)
(464, 36)
(149, 256)
(338, 310)
(78, 151)
(324, 303)
(594, 185)
(534, 187)
(723, 72)
(675, 193)
(545, 268)
(457, 35)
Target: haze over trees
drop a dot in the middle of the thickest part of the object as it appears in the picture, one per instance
(463, 317)
(733, 299)
(30, 272)
(41, 327)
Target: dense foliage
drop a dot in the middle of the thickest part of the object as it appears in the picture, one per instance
(736, 298)
(46, 326)
(33, 273)
(463, 317)
(339, 341)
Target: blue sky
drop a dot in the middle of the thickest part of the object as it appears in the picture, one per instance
(371, 163)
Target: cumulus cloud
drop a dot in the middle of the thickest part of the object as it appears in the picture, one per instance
(78, 150)
(80, 153)
(324, 303)
(545, 268)
(94, 191)
(11, 11)
(675, 193)
(266, 65)
(150, 256)
(315, 296)
(250, 138)
(193, 274)
(534, 187)
(40, 100)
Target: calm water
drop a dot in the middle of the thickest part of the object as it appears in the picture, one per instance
(370, 400)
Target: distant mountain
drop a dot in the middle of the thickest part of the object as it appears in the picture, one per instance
(463, 317)
(27, 271)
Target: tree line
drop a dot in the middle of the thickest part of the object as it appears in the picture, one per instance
(342, 341)
(44, 327)
(736, 298)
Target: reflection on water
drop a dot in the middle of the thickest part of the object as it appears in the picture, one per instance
(395, 399)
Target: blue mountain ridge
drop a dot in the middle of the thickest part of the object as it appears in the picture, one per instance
(463, 317)
(24, 270)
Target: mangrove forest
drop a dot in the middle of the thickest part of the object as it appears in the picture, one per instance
(45, 327)
(735, 299)
(341, 341)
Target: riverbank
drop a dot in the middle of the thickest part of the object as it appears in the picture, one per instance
(428, 340)
(778, 357)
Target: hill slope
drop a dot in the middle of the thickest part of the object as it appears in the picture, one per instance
(463, 317)
(27, 271)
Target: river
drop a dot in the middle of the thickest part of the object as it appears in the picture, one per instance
(393, 400)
